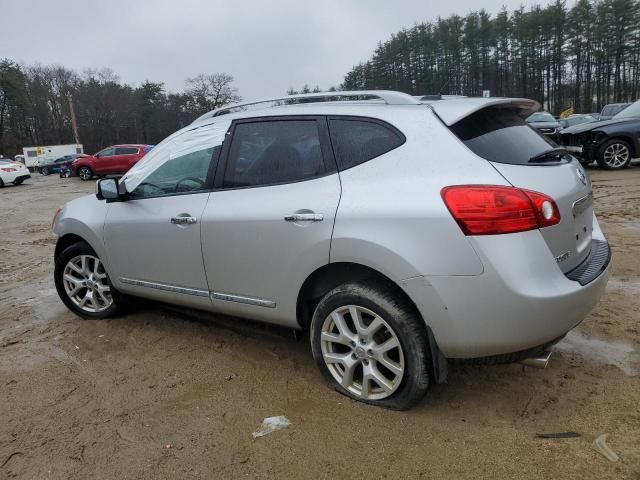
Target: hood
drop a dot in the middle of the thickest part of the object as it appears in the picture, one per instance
(585, 127)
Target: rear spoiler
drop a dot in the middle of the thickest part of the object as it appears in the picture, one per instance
(452, 111)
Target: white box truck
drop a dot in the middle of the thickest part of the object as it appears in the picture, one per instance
(35, 155)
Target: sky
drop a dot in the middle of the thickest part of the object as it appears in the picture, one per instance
(268, 46)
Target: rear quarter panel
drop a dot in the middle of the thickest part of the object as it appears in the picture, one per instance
(391, 216)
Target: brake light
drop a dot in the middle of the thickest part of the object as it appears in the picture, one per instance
(493, 210)
(8, 169)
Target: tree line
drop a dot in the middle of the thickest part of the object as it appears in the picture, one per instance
(583, 57)
(35, 107)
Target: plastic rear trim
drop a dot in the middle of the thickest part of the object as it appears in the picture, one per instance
(596, 263)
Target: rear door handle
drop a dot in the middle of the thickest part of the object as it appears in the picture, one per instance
(304, 217)
(183, 220)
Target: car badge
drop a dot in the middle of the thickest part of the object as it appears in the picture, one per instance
(582, 176)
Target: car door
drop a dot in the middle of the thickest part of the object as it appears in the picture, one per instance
(154, 237)
(268, 222)
(104, 157)
(123, 159)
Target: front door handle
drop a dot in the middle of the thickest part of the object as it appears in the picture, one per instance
(183, 219)
(304, 217)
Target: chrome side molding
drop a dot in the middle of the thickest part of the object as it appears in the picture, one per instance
(166, 288)
(230, 297)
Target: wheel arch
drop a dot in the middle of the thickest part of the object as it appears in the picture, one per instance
(327, 277)
(626, 137)
(66, 241)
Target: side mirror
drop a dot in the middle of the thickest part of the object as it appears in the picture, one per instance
(108, 189)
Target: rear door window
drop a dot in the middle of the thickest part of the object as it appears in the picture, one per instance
(357, 140)
(501, 135)
(126, 151)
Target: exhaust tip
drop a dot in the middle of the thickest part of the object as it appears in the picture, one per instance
(539, 361)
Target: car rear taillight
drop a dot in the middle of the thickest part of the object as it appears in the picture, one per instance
(493, 210)
(8, 169)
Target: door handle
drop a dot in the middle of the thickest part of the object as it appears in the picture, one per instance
(183, 220)
(304, 217)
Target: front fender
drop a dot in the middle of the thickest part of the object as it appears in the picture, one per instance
(85, 217)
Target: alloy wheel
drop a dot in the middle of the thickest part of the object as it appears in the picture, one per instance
(84, 173)
(616, 155)
(362, 352)
(86, 284)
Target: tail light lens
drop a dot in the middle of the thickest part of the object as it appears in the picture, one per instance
(494, 210)
(8, 169)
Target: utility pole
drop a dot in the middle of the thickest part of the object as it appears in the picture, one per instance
(74, 122)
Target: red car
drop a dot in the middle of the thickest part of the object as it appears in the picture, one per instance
(113, 160)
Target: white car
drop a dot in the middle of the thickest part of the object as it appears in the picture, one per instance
(12, 172)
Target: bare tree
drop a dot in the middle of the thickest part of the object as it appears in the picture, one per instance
(208, 92)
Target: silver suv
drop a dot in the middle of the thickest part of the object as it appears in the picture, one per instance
(398, 232)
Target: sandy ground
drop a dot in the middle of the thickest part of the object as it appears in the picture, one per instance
(104, 399)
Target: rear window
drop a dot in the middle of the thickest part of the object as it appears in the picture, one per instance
(501, 135)
(356, 141)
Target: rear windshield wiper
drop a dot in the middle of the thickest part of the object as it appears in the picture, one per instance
(554, 155)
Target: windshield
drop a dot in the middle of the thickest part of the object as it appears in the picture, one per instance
(541, 117)
(571, 121)
(632, 111)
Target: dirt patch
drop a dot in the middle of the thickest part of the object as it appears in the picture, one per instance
(104, 399)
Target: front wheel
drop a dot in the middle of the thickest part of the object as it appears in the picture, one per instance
(371, 345)
(83, 284)
(44, 171)
(614, 155)
(85, 173)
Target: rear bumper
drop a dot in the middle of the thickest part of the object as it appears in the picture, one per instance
(11, 177)
(522, 300)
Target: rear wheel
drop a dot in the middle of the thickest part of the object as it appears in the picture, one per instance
(614, 155)
(1, 183)
(371, 345)
(19, 181)
(85, 173)
(84, 285)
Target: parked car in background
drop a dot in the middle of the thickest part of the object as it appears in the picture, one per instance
(611, 110)
(57, 165)
(113, 160)
(612, 143)
(340, 218)
(576, 119)
(39, 155)
(12, 172)
(545, 123)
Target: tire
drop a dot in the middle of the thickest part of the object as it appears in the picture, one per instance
(44, 171)
(1, 183)
(85, 173)
(18, 182)
(371, 302)
(104, 302)
(615, 154)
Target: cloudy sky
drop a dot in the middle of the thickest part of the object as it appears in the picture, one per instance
(268, 46)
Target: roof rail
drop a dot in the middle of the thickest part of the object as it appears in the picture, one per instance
(387, 96)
